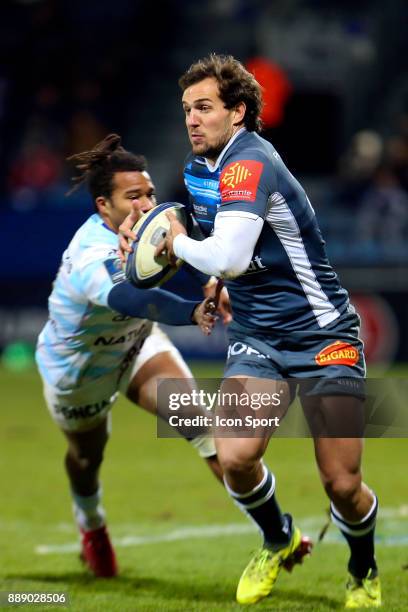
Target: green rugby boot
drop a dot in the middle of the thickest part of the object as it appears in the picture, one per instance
(260, 575)
(363, 592)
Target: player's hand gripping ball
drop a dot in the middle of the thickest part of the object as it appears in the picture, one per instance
(143, 268)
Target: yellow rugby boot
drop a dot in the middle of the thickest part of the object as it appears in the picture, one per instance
(363, 592)
(262, 571)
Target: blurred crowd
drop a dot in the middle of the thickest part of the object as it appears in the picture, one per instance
(74, 72)
(371, 192)
(77, 71)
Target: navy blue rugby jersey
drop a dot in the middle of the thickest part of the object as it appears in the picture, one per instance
(290, 284)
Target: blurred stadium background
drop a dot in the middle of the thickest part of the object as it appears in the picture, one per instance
(335, 79)
(337, 110)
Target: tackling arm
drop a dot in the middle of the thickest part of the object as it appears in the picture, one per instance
(102, 282)
(153, 304)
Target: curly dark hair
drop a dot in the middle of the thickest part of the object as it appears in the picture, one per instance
(235, 85)
(99, 165)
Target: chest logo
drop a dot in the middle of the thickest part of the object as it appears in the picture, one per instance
(239, 181)
(235, 174)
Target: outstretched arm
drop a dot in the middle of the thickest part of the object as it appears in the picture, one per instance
(162, 306)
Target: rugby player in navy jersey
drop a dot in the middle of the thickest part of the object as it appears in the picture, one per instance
(291, 317)
(100, 339)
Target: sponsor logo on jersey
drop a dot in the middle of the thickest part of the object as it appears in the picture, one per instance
(120, 318)
(255, 265)
(110, 340)
(338, 353)
(134, 350)
(239, 180)
(239, 348)
(115, 270)
(81, 412)
(199, 209)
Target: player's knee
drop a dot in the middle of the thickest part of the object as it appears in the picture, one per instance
(343, 487)
(86, 460)
(238, 459)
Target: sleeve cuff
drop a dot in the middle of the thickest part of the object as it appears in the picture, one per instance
(178, 243)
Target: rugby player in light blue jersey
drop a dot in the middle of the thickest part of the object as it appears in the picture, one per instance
(100, 339)
(292, 318)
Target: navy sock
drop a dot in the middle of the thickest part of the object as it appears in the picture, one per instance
(360, 538)
(261, 505)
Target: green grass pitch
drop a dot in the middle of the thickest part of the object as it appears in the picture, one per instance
(181, 543)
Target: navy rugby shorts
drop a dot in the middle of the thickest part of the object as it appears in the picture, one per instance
(328, 361)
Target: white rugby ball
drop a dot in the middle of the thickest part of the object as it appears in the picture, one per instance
(143, 268)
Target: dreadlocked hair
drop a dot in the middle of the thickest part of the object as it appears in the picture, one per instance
(98, 166)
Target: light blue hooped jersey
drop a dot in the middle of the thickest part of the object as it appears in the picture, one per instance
(83, 339)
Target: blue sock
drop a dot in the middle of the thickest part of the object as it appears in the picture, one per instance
(261, 505)
(360, 538)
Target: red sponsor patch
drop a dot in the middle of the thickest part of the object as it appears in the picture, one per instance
(338, 353)
(239, 180)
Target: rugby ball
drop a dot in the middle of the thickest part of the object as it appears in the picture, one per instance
(143, 268)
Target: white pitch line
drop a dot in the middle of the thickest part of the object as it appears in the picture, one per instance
(310, 525)
(184, 533)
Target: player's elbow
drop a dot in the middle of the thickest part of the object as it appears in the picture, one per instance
(232, 272)
(233, 266)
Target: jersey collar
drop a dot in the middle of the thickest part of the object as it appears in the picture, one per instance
(98, 219)
(108, 228)
(213, 168)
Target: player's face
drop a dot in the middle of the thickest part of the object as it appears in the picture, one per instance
(130, 190)
(209, 124)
